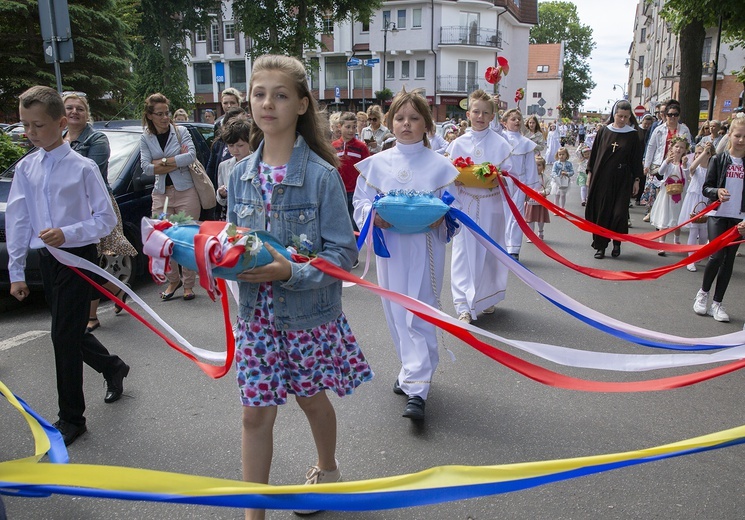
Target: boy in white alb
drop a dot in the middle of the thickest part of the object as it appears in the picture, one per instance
(479, 281)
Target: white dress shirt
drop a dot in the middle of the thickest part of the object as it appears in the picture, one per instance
(56, 189)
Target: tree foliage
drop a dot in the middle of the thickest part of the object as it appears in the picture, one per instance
(559, 22)
(102, 54)
(290, 26)
(689, 20)
(158, 30)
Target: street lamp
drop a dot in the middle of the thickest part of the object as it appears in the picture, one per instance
(628, 62)
(387, 26)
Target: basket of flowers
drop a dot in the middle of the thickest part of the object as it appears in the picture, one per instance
(483, 175)
(674, 185)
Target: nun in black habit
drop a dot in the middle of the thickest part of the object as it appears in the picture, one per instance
(614, 172)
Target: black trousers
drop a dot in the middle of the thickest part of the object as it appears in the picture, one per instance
(721, 263)
(68, 296)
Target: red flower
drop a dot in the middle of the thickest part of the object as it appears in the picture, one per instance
(504, 65)
(462, 162)
(493, 74)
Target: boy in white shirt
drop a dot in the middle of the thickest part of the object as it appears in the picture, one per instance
(58, 199)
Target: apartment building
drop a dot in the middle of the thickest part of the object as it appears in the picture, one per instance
(654, 66)
(442, 47)
(545, 81)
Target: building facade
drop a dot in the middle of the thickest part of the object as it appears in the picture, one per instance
(654, 66)
(441, 47)
(545, 81)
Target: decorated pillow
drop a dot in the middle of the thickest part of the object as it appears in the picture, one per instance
(410, 211)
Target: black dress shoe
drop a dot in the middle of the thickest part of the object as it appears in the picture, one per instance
(616, 252)
(70, 431)
(115, 384)
(600, 254)
(397, 388)
(414, 408)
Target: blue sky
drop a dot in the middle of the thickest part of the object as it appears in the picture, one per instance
(612, 23)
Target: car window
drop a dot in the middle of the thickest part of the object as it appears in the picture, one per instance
(123, 145)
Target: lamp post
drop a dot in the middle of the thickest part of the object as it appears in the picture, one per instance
(641, 74)
(387, 26)
(623, 89)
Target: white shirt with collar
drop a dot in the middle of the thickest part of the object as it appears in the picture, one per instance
(55, 189)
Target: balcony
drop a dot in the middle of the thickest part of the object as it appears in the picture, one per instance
(462, 84)
(471, 36)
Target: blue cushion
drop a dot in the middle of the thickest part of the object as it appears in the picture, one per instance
(410, 212)
(183, 251)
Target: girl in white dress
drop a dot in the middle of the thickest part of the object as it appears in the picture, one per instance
(694, 200)
(553, 143)
(666, 208)
(417, 261)
(478, 282)
(524, 168)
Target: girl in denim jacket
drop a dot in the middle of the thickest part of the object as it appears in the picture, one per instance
(291, 335)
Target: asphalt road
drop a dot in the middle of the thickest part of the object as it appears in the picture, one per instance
(174, 418)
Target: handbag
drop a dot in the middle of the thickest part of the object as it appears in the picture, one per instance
(202, 183)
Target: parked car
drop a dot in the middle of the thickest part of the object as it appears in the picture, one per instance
(131, 188)
(18, 135)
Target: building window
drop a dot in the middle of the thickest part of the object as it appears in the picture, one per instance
(363, 78)
(203, 78)
(238, 75)
(706, 54)
(328, 25)
(641, 62)
(336, 71)
(643, 35)
(386, 18)
(537, 94)
(401, 23)
(420, 69)
(313, 73)
(638, 90)
(390, 69)
(541, 68)
(214, 39)
(467, 77)
(416, 18)
(365, 27)
(405, 69)
(201, 34)
(228, 29)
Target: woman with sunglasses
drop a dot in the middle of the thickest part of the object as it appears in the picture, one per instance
(374, 133)
(657, 149)
(167, 155)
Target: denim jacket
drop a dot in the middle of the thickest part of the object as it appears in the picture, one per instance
(309, 201)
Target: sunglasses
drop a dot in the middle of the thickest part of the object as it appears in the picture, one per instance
(673, 114)
(74, 93)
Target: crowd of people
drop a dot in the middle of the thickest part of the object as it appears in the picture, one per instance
(285, 167)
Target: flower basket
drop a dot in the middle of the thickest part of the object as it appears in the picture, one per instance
(484, 175)
(703, 218)
(675, 187)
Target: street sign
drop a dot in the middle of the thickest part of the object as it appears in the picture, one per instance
(640, 110)
(371, 62)
(353, 62)
(337, 94)
(220, 72)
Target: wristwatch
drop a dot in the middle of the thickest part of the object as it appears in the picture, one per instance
(164, 161)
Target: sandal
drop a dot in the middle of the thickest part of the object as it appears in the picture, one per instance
(90, 328)
(123, 297)
(165, 296)
(189, 296)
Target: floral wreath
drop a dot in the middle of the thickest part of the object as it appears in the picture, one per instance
(679, 139)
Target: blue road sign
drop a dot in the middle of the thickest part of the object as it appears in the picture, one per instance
(353, 62)
(220, 72)
(372, 61)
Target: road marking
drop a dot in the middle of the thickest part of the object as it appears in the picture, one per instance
(22, 338)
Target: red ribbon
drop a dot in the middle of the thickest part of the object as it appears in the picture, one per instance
(529, 370)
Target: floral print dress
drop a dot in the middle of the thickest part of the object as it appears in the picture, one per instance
(271, 363)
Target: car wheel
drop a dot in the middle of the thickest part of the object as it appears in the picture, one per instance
(122, 267)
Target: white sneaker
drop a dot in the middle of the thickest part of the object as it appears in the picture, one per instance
(701, 302)
(718, 312)
(465, 317)
(490, 310)
(317, 475)
(692, 268)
